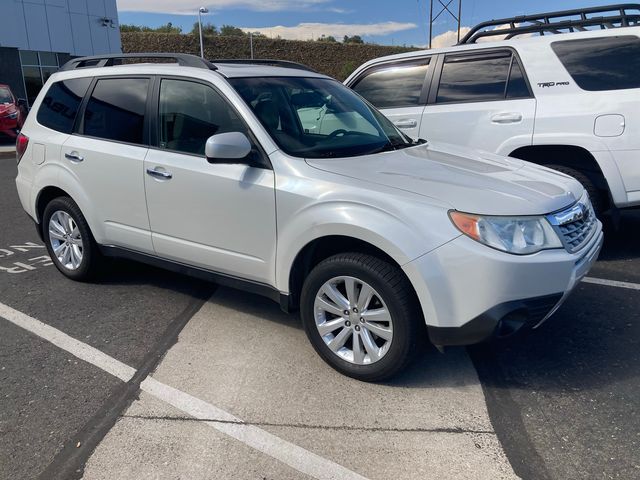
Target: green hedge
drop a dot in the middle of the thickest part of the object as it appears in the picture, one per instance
(335, 59)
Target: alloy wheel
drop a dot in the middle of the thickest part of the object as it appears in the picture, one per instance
(353, 320)
(65, 240)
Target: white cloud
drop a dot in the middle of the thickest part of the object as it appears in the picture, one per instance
(190, 7)
(306, 31)
(448, 38)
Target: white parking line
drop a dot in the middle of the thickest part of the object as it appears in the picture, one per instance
(65, 342)
(288, 453)
(611, 283)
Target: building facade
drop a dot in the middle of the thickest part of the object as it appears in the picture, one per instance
(37, 36)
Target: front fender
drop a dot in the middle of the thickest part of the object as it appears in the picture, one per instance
(398, 238)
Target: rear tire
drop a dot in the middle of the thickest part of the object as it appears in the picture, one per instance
(69, 241)
(388, 294)
(597, 196)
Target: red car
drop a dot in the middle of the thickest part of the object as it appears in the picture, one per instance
(12, 115)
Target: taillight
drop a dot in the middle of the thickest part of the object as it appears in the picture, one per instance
(21, 146)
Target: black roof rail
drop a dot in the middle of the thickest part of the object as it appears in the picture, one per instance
(181, 59)
(272, 63)
(611, 16)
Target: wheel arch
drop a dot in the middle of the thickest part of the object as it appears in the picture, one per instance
(572, 156)
(318, 249)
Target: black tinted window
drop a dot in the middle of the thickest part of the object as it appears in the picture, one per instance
(116, 109)
(60, 105)
(192, 112)
(394, 86)
(602, 63)
(473, 78)
(517, 87)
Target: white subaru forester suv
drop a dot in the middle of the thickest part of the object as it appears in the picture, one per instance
(222, 171)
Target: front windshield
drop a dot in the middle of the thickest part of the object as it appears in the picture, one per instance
(5, 95)
(318, 117)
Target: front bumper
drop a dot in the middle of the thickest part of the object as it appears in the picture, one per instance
(469, 292)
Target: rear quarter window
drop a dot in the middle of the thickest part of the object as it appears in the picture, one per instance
(60, 105)
(605, 63)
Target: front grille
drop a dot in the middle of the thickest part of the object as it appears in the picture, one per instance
(575, 225)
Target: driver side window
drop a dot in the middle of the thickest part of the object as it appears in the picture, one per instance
(189, 113)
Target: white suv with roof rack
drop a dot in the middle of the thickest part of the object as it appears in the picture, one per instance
(568, 99)
(276, 179)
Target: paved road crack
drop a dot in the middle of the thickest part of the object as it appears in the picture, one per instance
(457, 430)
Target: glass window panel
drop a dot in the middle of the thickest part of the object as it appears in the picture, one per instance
(606, 63)
(48, 59)
(29, 57)
(32, 82)
(60, 105)
(396, 86)
(116, 110)
(469, 79)
(517, 84)
(190, 113)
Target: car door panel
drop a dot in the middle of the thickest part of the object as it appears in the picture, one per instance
(107, 159)
(480, 100)
(215, 216)
(499, 126)
(209, 214)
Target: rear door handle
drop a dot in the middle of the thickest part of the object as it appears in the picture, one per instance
(507, 117)
(159, 174)
(74, 157)
(408, 123)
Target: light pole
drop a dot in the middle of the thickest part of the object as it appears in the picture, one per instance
(251, 41)
(200, 12)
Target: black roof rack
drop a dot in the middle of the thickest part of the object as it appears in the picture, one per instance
(182, 59)
(611, 16)
(272, 63)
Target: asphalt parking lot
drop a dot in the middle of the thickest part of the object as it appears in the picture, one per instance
(208, 382)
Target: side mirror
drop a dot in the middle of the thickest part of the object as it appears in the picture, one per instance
(22, 102)
(227, 147)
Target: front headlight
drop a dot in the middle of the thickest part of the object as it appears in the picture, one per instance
(518, 235)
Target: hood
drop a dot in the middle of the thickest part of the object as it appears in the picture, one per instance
(468, 180)
(7, 108)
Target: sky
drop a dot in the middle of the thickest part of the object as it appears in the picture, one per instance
(388, 22)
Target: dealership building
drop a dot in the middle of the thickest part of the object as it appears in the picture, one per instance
(37, 36)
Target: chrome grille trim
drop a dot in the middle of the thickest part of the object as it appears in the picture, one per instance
(575, 225)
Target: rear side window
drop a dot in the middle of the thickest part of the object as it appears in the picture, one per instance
(61, 103)
(394, 86)
(606, 63)
(115, 110)
(474, 78)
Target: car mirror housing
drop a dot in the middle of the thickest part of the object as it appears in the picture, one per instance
(229, 147)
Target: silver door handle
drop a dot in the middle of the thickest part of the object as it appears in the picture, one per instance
(159, 174)
(409, 123)
(74, 157)
(508, 117)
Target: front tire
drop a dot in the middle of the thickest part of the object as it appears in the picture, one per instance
(69, 240)
(361, 316)
(597, 197)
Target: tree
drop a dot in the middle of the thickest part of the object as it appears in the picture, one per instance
(231, 31)
(354, 39)
(329, 39)
(168, 28)
(135, 28)
(208, 30)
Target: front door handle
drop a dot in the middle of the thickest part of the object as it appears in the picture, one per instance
(74, 157)
(408, 123)
(507, 117)
(159, 174)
